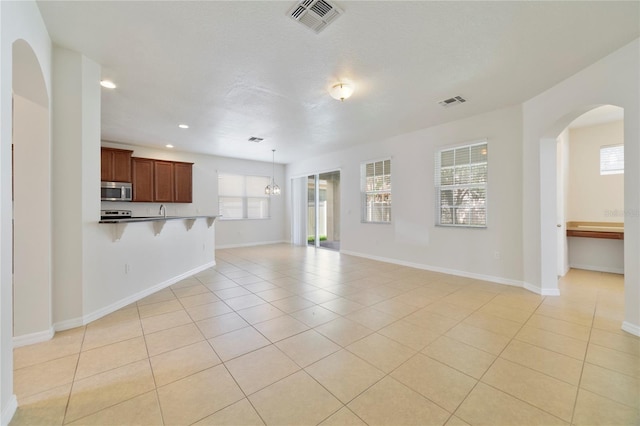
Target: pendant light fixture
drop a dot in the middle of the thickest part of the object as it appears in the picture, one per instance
(272, 188)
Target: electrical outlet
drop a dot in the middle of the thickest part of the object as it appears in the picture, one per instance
(496, 255)
(127, 268)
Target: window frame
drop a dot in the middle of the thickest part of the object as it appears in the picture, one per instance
(364, 211)
(611, 171)
(438, 186)
(244, 197)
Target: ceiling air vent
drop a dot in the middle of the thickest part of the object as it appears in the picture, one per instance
(315, 14)
(255, 139)
(452, 101)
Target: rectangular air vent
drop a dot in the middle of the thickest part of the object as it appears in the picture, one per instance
(452, 101)
(255, 139)
(315, 14)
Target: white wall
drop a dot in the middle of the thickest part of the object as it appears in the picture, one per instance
(32, 216)
(67, 135)
(562, 167)
(205, 196)
(18, 20)
(596, 254)
(412, 238)
(611, 81)
(593, 197)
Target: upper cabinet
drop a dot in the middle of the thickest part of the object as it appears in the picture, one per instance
(115, 165)
(183, 182)
(142, 179)
(161, 181)
(163, 186)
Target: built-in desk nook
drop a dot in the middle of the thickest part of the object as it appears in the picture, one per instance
(596, 246)
(606, 230)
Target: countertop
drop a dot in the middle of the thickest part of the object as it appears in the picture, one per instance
(153, 218)
(606, 230)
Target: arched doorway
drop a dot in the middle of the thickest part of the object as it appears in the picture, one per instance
(31, 192)
(549, 225)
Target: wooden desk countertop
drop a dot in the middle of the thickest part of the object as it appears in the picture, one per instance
(606, 230)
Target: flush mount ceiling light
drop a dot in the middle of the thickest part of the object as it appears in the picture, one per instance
(341, 91)
(272, 188)
(169, 146)
(183, 126)
(108, 84)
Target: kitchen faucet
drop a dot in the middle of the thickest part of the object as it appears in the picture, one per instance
(163, 211)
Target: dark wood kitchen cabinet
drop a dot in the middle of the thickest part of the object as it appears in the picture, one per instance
(115, 165)
(142, 174)
(163, 189)
(161, 181)
(183, 182)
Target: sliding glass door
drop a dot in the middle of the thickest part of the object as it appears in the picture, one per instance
(323, 217)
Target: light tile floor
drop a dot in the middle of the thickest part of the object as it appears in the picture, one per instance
(283, 335)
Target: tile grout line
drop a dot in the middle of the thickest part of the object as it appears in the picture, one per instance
(73, 380)
(494, 361)
(146, 348)
(584, 362)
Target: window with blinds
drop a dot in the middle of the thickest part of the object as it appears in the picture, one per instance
(376, 191)
(242, 197)
(461, 185)
(612, 159)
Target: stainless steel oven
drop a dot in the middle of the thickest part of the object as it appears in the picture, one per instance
(116, 191)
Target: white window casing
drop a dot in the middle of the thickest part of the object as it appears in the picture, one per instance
(461, 176)
(376, 191)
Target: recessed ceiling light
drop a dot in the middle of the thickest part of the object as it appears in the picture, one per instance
(183, 126)
(169, 146)
(108, 84)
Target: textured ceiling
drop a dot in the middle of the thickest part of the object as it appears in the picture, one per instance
(236, 69)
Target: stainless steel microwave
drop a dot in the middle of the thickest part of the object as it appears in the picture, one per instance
(116, 191)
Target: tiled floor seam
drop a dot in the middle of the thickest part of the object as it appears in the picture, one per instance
(575, 401)
(582, 372)
(524, 402)
(155, 383)
(500, 390)
(73, 380)
(389, 374)
(232, 403)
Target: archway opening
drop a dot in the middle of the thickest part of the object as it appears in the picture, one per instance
(574, 194)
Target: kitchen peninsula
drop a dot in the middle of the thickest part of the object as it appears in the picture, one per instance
(142, 255)
(158, 222)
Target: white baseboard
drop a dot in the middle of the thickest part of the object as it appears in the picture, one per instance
(631, 328)
(31, 338)
(259, 243)
(497, 280)
(86, 319)
(542, 291)
(9, 410)
(608, 269)
(68, 324)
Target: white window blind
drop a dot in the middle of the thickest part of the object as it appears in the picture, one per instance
(376, 191)
(612, 159)
(242, 197)
(461, 185)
